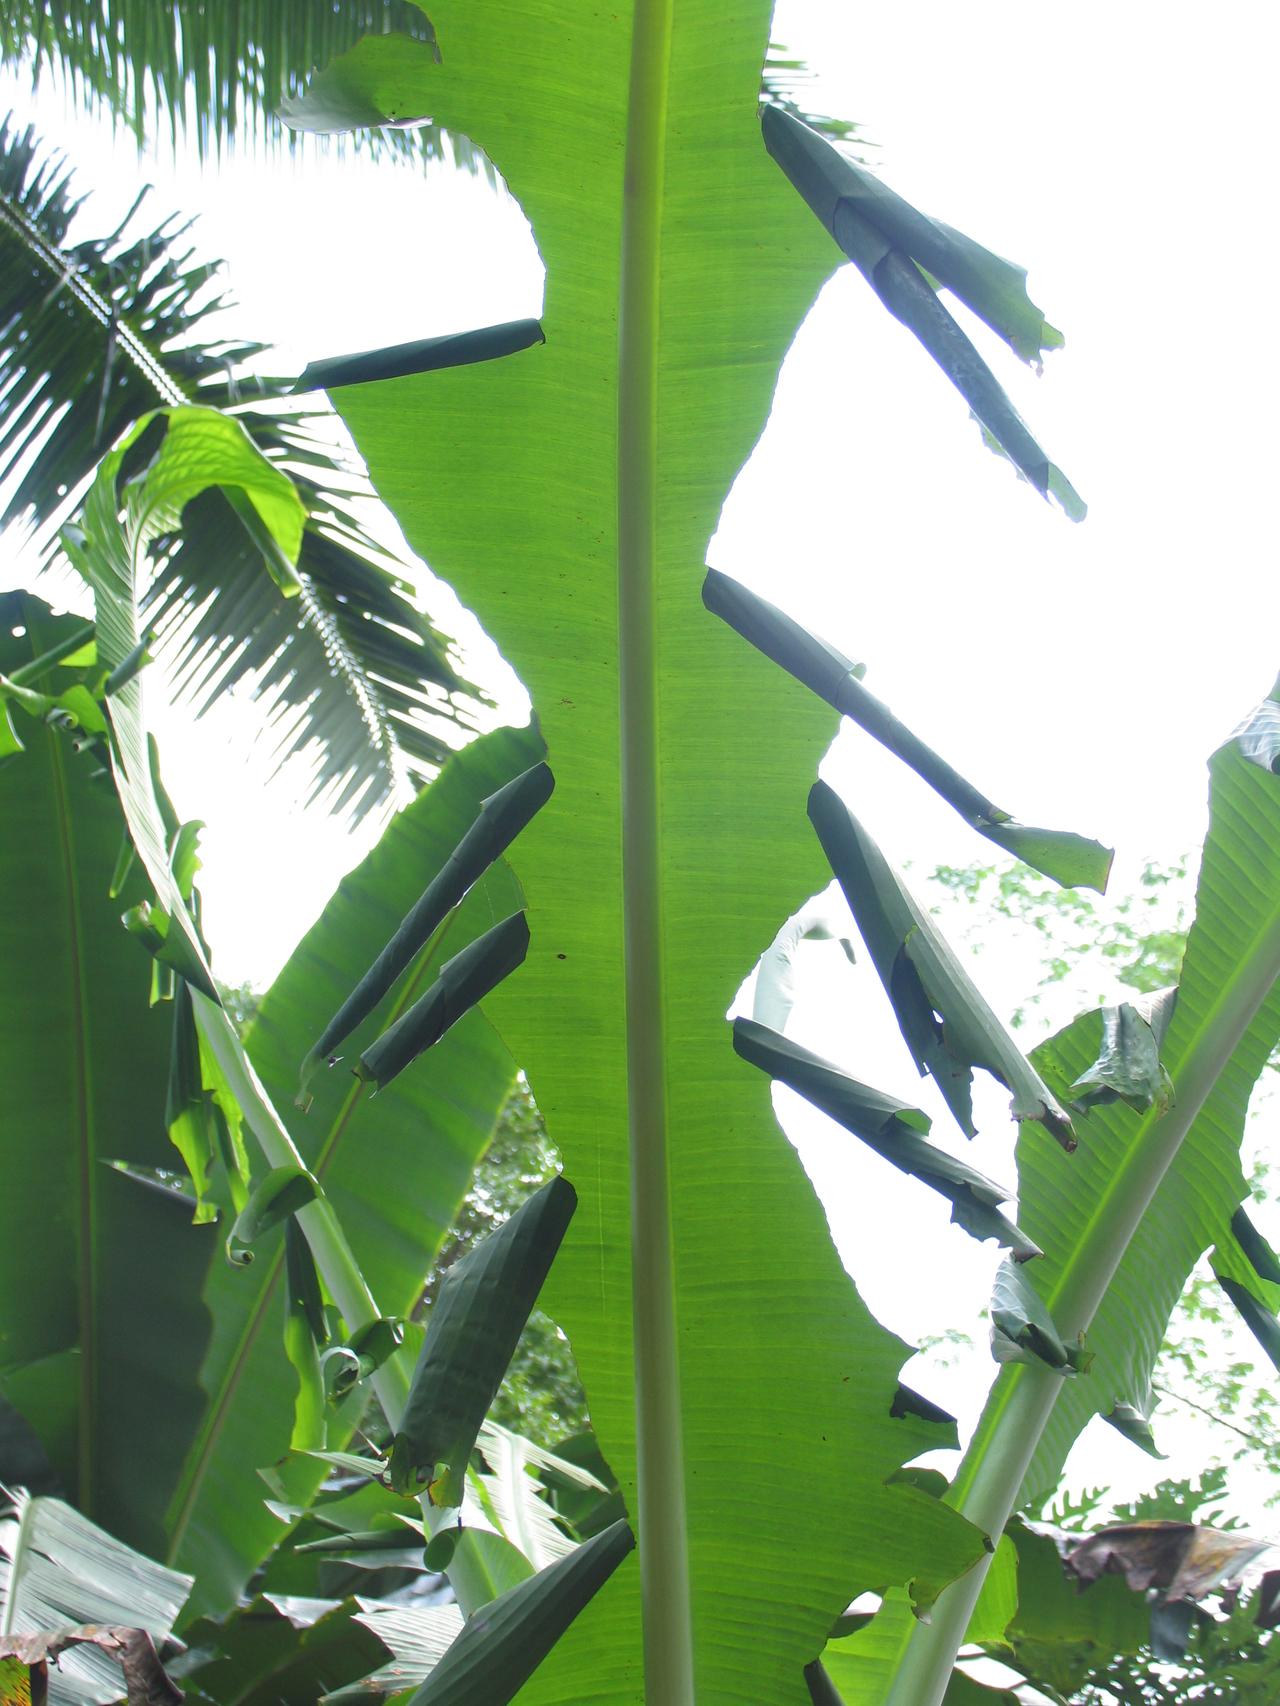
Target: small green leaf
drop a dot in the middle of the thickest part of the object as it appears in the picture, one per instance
(503, 1643)
(282, 1193)
(1128, 1068)
(500, 819)
(481, 1310)
(1021, 1328)
(1135, 1425)
(465, 979)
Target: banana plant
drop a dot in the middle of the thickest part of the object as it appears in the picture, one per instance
(745, 1398)
(570, 506)
(748, 1403)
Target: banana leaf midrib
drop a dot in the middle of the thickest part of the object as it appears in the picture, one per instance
(664, 1566)
(188, 1490)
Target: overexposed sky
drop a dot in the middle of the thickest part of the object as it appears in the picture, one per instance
(1080, 675)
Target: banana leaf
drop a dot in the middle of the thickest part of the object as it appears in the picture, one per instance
(651, 885)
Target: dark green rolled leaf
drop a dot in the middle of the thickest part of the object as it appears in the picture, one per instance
(481, 1310)
(891, 1128)
(501, 818)
(503, 1643)
(423, 355)
(1128, 1067)
(944, 1020)
(885, 255)
(304, 1333)
(1129, 1420)
(1071, 860)
(128, 667)
(345, 1365)
(465, 979)
(1261, 1321)
(376, 1341)
(280, 1194)
(1021, 1328)
(822, 1691)
(995, 289)
(1245, 1266)
(1259, 1254)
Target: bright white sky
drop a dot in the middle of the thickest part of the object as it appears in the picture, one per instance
(1080, 675)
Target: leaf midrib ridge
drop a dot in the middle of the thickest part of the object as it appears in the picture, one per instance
(664, 1556)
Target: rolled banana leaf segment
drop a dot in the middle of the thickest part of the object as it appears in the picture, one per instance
(503, 1643)
(1021, 1328)
(1128, 1068)
(892, 1129)
(900, 252)
(465, 979)
(995, 289)
(1135, 1425)
(305, 1334)
(1071, 860)
(423, 355)
(822, 1691)
(501, 818)
(1246, 1268)
(479, 1315)
(944, 1020)
(280, 1194)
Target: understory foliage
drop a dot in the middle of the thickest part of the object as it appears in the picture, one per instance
(226, 1420)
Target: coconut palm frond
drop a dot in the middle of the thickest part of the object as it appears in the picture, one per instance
(213, 73)
(787, 82)
(95, 333)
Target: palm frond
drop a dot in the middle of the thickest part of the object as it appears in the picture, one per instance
(216, 74)
(95, 333)
(219, 73)
(787, 81)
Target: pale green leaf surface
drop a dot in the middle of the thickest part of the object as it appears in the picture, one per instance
(519, 510)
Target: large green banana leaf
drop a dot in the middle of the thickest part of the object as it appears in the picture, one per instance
(101, 1324)
(569, 494)
(395, 1166)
